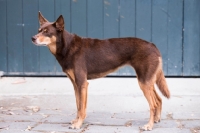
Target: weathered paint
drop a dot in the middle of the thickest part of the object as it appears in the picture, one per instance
(172, 25)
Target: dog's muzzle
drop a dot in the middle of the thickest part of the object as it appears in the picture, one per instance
(33, 39)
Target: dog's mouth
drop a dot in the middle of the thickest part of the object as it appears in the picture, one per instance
(38, 44)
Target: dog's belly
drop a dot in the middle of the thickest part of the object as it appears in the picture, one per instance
(102, 73)
(101, 68)
(99, 75)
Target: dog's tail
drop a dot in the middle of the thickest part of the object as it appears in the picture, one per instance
(162, 84)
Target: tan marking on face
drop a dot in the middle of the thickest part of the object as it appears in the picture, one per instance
(52, 46)
(43, 40)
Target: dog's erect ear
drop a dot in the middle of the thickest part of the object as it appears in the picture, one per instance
(42, 20)
(59, 24)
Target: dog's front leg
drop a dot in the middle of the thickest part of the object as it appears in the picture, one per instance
(77, 98)
(81, 97)
(71, 76)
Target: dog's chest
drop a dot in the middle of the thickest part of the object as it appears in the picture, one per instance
(52, 48)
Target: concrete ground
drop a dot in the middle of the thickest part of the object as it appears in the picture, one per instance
(115, 105)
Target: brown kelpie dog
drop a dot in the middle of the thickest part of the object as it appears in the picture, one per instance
(86, 58)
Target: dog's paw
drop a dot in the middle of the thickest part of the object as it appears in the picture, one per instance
(74, 127)
(77, 123)
(74, 121)
(146, 127)
(156, 119)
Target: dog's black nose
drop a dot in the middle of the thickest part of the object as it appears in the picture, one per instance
(33, 38)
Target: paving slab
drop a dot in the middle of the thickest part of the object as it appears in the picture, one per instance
(115, 105)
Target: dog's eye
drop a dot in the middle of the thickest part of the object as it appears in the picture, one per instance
(39, 30)
(45, 30)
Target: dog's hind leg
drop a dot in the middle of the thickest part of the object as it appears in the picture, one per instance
(158, 108)
(148, 90)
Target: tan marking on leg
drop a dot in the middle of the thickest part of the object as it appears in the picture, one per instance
(83, 100)
(158, 109)
(149, 95)
(71, 76)
(82, 106)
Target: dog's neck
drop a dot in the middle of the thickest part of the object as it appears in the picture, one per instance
(61, 42)
(52, 48)
(66, 38)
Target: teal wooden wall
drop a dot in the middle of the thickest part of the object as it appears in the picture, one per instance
(173, 25)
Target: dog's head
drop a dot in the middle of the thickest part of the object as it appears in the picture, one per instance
(48, 31)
